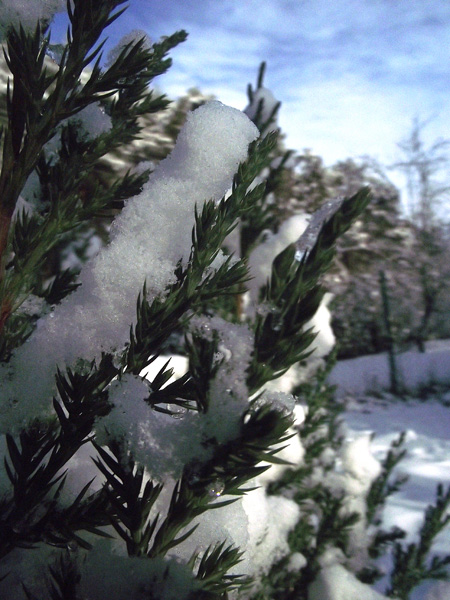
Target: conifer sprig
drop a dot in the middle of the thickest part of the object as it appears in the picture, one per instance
(410, 563)
(40, 100)
(293, 295)
(63, 580)
(131, 498)
(36, 467)
(213, 567)
(384, 486)
(132, 495)
(194, 285)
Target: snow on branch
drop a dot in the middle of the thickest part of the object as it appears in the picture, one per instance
(148, 239)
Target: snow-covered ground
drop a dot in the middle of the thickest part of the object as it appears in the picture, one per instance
(427, 427)
(371, 373)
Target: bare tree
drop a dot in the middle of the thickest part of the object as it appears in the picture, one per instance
(426, 191)
(421, 166)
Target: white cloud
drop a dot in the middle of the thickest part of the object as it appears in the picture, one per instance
(351, 74)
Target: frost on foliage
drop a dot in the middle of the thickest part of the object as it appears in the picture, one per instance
(27, 13)
(148, 238)
(336, 583)
(309, 237)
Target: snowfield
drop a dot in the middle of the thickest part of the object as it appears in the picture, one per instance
(427, 427)
(370, 374)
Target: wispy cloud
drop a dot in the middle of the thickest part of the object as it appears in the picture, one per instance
(351, 74)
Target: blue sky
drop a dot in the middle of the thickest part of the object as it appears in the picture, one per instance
(351, 74)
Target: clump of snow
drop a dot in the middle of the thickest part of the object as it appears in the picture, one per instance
(134, 36)
(321, 322)
(296, 562)
(260, 260)
(439, 591)
(229, 524)
(129, 418)
(228, 394)
(263, 97)
(32, 192)
(92, 120)
(292, 450)
(359, 462)
(27, 567)
(277, 400)
(160, 442)
(270, 518)
(109, 576)
(336, 583)
(166, 443)
(359, 468)
(22, 207)
(27, 13)
(257, 523)
(148, 238)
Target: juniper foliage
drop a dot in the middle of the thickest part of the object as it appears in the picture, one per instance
(149, 517)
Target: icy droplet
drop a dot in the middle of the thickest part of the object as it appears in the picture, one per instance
(226, 352)
(177, 412)
(262, 310)
(72, 546)
(277, 322)
(306, 241)
(216, 488)
(246, 418)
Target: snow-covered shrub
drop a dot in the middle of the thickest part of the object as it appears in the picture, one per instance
(123, 479)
